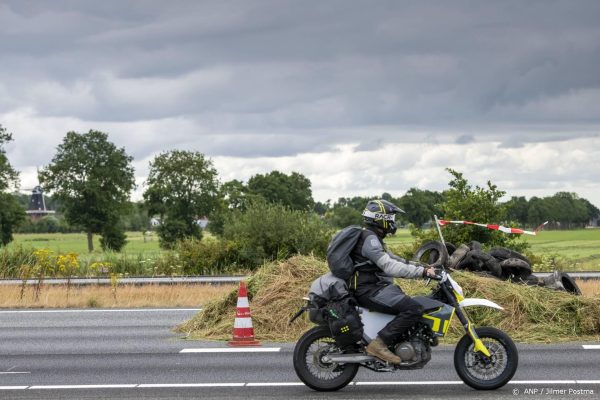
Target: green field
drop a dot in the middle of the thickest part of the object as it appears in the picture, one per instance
(77, 242)
(581, 248)
(138, 247)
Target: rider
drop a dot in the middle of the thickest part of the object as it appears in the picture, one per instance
(372, 282)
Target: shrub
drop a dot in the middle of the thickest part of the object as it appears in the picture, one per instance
(173, 230)
(113, 238)
(11, 260)
(208, 256)
(268, 231)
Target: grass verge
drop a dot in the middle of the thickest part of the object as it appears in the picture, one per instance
(127, 296)
(531, 314)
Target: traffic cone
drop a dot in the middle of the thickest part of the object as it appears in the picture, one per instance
(243, 333)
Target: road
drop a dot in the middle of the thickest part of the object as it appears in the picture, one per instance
(126, 354)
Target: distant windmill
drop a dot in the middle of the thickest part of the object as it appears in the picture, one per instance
(37, 204)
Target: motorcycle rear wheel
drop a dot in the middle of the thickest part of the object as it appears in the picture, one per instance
(481, 372)
(310, 367)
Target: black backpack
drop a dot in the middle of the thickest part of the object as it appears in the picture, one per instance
(338, 253)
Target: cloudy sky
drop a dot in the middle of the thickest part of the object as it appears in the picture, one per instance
(362, 97)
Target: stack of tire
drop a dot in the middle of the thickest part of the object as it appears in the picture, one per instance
(498, 262)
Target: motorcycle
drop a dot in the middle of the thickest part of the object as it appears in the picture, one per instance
(485, 358)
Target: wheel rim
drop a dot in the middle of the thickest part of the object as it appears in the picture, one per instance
(483, 368)
(315, 364)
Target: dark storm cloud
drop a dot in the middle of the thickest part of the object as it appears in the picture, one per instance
(297, 72)
(465, 139)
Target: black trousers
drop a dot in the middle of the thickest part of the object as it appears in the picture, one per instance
(390, 299)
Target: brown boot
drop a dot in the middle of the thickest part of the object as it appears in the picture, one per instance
(378, 349)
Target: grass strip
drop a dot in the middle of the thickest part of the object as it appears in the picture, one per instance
(126, 296)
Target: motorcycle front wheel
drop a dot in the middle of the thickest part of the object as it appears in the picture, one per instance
(482, 372)
(312, 369)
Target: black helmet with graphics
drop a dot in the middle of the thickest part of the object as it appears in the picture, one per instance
(382, 214)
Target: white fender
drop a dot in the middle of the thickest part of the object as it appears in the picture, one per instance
(373, 321)
(479, 302)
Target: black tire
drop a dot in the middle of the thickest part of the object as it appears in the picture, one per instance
(306, 351)
(505, 358)
(469, 263)
(553, 281)
(480, 261)
(450, 247)
(457, 256)
(437, 255)
(569, 284)
(530, 280)
(486, 262)
(502, 253)
(474, 245)
(515, 268)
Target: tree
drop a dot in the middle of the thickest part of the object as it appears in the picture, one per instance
(233, 195)
(292, 191)
(181, 187)
(11, 216)
(517, 209)
(592, 211)
(357, 202)
(136, 219)
(8, 175)
(92, 180)
(420, 205)
(343, 216)
(463, 202)
(11, 213)
(322, 208)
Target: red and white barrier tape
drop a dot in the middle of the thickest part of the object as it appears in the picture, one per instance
(500, 228)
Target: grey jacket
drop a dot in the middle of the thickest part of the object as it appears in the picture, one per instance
(391, 265)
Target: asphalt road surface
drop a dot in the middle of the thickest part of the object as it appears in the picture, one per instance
(132, 354)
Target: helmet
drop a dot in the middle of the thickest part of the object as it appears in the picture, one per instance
(381, 214)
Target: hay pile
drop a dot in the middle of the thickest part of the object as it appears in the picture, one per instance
(532, 314)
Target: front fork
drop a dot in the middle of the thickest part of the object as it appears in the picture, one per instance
(477, 343)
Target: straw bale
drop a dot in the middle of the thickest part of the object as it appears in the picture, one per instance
(275, 291)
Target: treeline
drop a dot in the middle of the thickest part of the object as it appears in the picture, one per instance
(563, 210)
(90, 181)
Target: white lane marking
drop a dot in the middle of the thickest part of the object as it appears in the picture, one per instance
(177, 385)
(261, 384)
(100, 311)
(412, 383)
(14, 372)
(548, 382)
(279, 384)
(233, 350)
(591, 346)
(82, 387)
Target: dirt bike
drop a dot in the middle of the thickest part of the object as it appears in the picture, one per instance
(485, 358)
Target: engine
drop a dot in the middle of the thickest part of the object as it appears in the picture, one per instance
(414, 353)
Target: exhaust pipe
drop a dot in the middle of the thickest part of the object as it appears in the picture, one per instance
(348, 358)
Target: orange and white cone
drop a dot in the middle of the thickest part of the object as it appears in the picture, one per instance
(243, 332)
